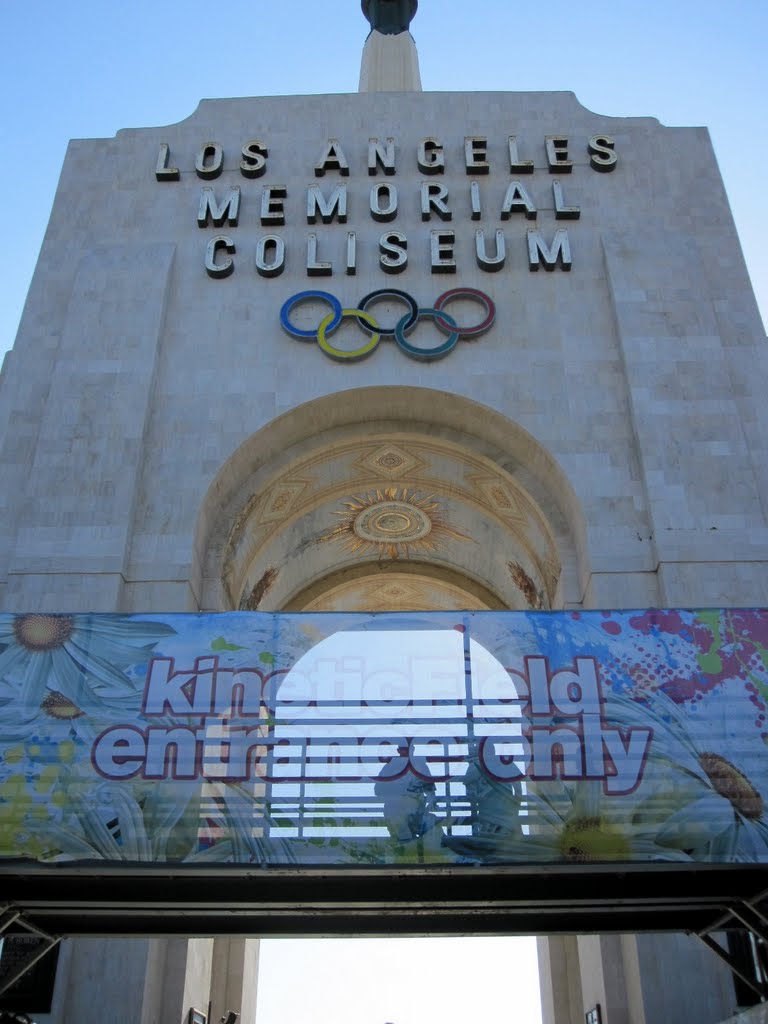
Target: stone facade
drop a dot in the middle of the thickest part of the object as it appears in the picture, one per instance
(139, 386)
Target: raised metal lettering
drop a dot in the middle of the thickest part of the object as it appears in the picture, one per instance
(209, 161)
(383, 202)
(336, 204)
(351, 267)
(393, 257)
(226, 267)
(430, 157)
(332, 159)
(314, 267)
(557, 154)
(516, 165)
(441, 245)
(381, 156)
(486, 262)
(272, 209)
(563, 212)
(602, 155)
(433, 196)
(210, 209)
(517, 200)
(475, 154)
(162, 171)
(474, 198)
(254, 162)
(270, 256)
(539, 252)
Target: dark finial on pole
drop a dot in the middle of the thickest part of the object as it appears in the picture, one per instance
(390, 17)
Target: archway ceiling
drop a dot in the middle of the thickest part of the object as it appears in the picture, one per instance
(392, 587)
(423, 506)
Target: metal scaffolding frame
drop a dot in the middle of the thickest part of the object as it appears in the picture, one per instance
(751, 916)
(12, 916)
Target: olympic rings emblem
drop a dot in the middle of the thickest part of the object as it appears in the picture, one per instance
(370, 325)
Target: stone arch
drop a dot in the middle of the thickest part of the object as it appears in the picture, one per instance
(386, 491)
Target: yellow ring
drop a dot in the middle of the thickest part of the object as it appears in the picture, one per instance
(358, 353)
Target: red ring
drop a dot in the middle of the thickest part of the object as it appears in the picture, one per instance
(473, 293)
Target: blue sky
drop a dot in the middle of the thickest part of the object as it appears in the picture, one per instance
(85, 69)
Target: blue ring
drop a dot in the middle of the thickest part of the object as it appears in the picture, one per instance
(427, 354)
(304, 297)
(388, 332)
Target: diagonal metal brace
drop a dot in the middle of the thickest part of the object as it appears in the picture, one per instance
(8, 915)
(12, 915)
(734, 965)
(752, 919)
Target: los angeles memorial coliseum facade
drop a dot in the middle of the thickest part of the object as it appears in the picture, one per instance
(245, 326)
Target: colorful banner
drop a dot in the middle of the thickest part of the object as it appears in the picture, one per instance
(444, 738)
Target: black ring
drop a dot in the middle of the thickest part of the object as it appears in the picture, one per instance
(388, 332)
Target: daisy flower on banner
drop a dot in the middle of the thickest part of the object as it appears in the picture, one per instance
(711, 804)
(555, 822)
(72, 664)
(118, 822)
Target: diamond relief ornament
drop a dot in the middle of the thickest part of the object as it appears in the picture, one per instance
(281, 499)
(390, 460)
